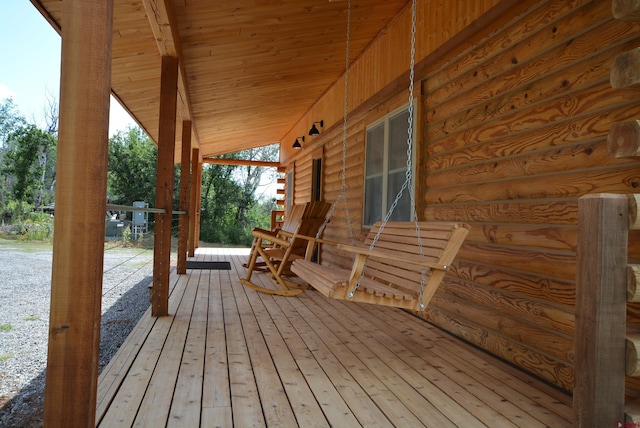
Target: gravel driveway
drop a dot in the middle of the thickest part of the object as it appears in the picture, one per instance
(25, 280)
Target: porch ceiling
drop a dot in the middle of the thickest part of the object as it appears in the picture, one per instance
(249, 69)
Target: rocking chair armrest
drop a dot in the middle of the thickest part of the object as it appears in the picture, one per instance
(271, 238)
(365, 251)
(263, 232)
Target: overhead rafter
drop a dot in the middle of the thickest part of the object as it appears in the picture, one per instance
(240, 162)
(165, 31)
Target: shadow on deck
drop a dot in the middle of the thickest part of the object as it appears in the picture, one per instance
(230, 356)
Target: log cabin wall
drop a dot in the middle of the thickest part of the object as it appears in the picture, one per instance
(513, 129)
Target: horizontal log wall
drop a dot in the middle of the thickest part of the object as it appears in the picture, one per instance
(515, 131)
(514, 124)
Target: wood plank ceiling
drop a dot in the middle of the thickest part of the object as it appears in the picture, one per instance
(250, 69)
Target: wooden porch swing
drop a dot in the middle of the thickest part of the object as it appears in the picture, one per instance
(400, 264)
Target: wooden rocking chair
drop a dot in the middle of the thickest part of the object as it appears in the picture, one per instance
(394, 273)
(288, 244)
(289, 226)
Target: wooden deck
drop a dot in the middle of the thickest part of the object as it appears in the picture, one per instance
(231, 356)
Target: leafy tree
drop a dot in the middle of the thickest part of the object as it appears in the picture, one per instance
(230, 208)
(132, 167)
(10, 121)
(25, 162)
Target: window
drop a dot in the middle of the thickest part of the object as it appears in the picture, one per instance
(316, 176)
(289, 195)
(385, 168)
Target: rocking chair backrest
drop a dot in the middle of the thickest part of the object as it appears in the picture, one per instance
(314, 216)
(293, 217)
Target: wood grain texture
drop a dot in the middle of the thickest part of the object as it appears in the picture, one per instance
(600, 310)
(76, 279)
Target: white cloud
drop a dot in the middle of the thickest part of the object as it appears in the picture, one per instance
(5, 92)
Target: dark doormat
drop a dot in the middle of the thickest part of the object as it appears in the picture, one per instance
(192, 264)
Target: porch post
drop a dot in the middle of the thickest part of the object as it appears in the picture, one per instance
(185, 179)
(196, 241)
(78, 247)
(601, 297)
(193, 202)
(164, 186)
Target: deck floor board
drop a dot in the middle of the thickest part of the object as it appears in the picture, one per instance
(230, 356)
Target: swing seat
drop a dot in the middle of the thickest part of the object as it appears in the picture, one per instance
(390, 274)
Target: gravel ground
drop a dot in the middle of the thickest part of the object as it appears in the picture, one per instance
(25, 280)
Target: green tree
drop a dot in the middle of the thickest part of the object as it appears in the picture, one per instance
(230, 207)
(25, 163)
(132, 167)
(10, 121)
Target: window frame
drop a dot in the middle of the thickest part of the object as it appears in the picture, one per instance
(386, 173)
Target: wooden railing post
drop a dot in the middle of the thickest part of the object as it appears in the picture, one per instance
(601, 296)
(185, 182)
(81, 190)
(164, 186)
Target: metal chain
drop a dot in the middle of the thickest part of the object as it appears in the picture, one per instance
(408, 174)
(343, 192)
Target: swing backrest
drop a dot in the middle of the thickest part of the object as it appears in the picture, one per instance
(440, 244)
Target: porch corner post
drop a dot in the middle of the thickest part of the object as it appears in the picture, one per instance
(601, 290)
(185, 181)
(78, 246)
(164, 186)
(193, 202)
(196, 240)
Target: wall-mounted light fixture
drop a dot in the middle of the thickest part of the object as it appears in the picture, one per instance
(296, 144)
(314, 130)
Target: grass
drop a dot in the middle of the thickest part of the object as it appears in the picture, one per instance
(5, 357)
(6, 327)
(31, 318)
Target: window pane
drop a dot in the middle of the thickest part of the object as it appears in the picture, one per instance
(398, 134)
(372, 200)
(403, 210)
(375, 150)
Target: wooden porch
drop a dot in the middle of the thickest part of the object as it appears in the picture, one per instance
(229, 356)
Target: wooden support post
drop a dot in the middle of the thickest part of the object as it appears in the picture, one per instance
(193, 202)
(196, 241)
(164, 186)
(601, 297)
(78, 247)
(185, 181)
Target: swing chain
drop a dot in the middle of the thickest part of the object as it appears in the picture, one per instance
(343, 176)
(408, 174)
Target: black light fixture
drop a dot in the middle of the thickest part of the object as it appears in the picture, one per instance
(297, 144)
(314, 130)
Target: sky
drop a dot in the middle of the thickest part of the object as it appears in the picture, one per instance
(30, 64)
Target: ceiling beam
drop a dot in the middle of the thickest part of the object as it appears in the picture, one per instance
(165, 31)
(240, 162)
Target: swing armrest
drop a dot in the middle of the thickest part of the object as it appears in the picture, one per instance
(365, 251)
(317, 240)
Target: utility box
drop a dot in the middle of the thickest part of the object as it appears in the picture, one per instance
(140, 222)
